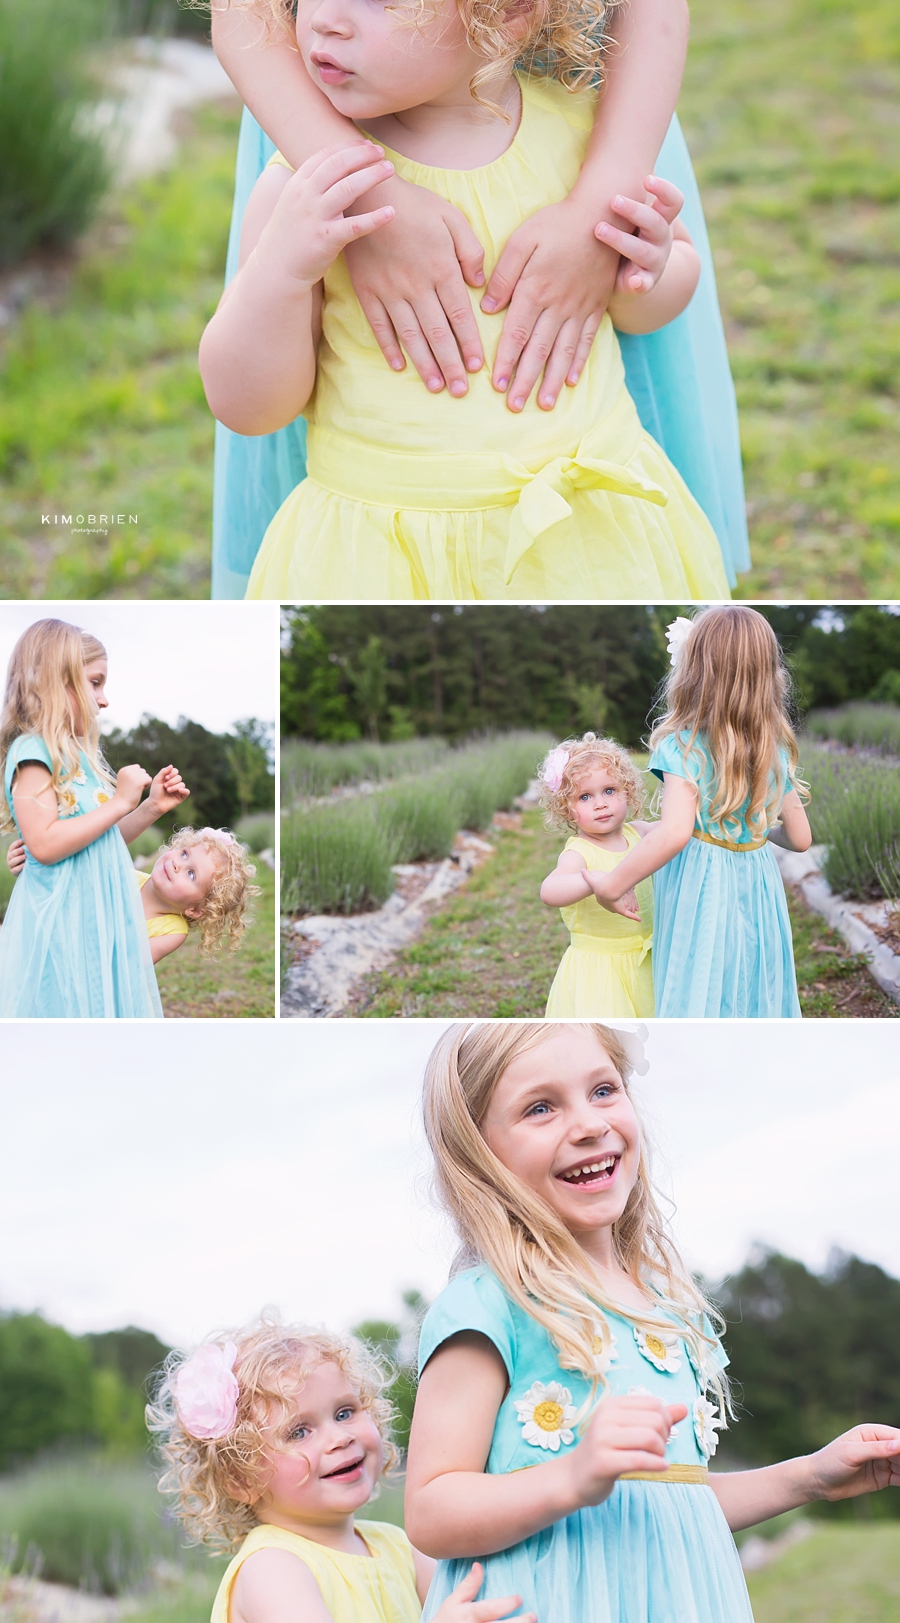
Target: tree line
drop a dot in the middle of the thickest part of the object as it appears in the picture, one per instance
(811, 1355)
(229, 774)
(394, 672)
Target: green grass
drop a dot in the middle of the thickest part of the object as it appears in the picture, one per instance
(832, 982)
(103, 410)
(838, 1575)
(855, 811)
(872, 726)
(6, 879)
(790, 110)
(338, 858)
(221, 986)
(309, 769)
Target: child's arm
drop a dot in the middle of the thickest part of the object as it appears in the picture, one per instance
(258, 354)
(658, 846)
(555, 274)
(567, 883)
(660, 266)
(51, 838)
(409, 281)
(167, 791)
(795, 822)
(860, 1461)
(162, 945)
(453, 1508)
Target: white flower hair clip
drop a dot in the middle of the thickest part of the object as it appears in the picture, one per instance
(206, 1391)
(677, 634)
(554, 767)
(222, 836)
(633, 1039)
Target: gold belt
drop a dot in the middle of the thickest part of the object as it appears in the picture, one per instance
(698, 1474)
(729, 845)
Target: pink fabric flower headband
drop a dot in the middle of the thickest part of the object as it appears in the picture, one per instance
(222, 835)
(206, 1392)
(554, 767)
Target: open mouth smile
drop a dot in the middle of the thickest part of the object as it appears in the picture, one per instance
(348, 1472)
(592, 1175)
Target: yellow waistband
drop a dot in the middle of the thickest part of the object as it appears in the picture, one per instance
(611, 944)
(698, 1474)
(729, 845)
(438, 483)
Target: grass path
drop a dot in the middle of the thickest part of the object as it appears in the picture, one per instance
(493, 950)
(219, 987)
(839, 1575)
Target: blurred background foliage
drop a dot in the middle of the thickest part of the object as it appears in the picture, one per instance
(230, 775)
(391, 673)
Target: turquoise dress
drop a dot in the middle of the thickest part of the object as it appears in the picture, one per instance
(74, 941)
(653, 1552)
(722, 942)
(679, 379)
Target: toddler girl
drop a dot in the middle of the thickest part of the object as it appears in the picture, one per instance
(592, 786)
(572, 1382)
(727, 756)
(272, 1439)
(456, 498)
(554, 274)
(73, 942)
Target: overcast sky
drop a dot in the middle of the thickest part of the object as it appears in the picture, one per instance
(181, 1176)
(214, 662)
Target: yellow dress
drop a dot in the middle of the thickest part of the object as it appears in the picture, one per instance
(418, 496)
(164, 923)
(380, 1588)
(606, 967)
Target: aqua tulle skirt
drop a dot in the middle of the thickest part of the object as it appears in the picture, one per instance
(722, 936)
(653, 1553)
(679, 379)
(74, 941)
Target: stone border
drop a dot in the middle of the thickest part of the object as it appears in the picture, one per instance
(852, 920)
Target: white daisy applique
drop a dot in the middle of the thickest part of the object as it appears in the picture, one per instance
(67, 803)
(660, 1348)
(706, 1423)
(603, 1348)
(101, 796)
(545, 1414)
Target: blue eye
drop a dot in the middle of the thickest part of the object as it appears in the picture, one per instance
(298, 1432)
(345, 1413)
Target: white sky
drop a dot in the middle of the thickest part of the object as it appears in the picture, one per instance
(180, 1177)
(214, 662)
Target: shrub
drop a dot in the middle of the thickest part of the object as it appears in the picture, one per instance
(257, 831)
(871, 726)
(855, 812)
(335, 861)
(309, 770)
(54, 168)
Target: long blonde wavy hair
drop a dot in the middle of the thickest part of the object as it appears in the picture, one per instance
(47, 664)
(731, 686)
(214, 1482)
(565, 40)
(503, 1223)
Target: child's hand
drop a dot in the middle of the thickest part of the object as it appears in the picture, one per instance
(308, 227)
(603, 886)
(167, 790)
(15, 856)
(646, 255)
(131, 781)
(860, 1461)
(462, 1607)
(623, 1434)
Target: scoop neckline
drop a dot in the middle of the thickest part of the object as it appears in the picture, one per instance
(400, 160)
(344, 1555)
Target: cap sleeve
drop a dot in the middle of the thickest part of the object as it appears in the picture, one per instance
(27, 747)
(476, 1301)
(667, 756)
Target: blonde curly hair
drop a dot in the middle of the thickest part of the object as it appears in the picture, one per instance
(585, 755)
(566, 39)
(203, 1476)
(225, 910)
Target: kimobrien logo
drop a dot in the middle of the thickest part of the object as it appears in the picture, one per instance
(89, 518)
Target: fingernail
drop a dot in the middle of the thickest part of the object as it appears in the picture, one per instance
(474, 363)
(435, 384)
(548, 400)
(603, 230)
(573, 377)
(479, 279)
(397, 364)
(502, 383)
(517, 404)
(489, 305)
(458, 387)
(617, 200)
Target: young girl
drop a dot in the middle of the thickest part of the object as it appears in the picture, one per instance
(554, 273)
(201, 878)
(572, 1382)
(727, 756)
(592, 786)
(272, 1439)
(437, 497)
(73, 942)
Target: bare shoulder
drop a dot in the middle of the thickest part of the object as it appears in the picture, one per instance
(570, 862)
(275, 1586)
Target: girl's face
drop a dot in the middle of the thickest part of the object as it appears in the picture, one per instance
(372, 59)
(95, 677)
(600, 804)
(184, 878)
(326, 1457)
(561, 1121)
